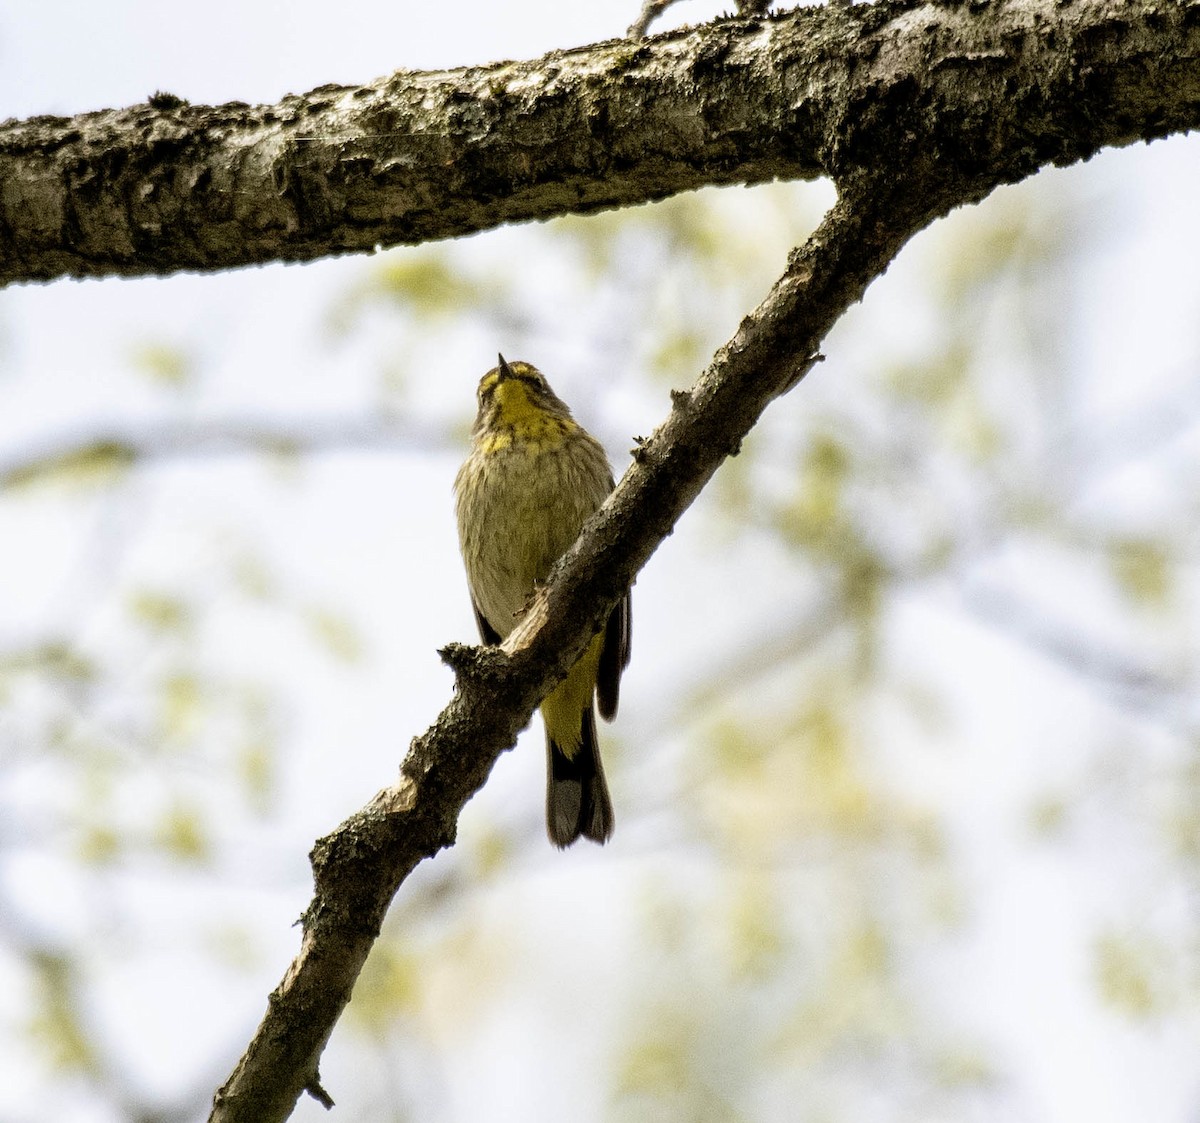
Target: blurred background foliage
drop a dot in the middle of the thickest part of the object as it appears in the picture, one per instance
(928, 565)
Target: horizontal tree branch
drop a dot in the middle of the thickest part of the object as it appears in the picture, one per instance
(982, 88)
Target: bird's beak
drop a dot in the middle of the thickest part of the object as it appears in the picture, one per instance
(505, 370)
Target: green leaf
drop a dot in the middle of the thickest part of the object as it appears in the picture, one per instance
(99, 464)
(163, 363)
(182, 834)
(161, 612)
(180, 705)
(1131, 974)
(1142, 570)
(56, 1024)
(336, 634)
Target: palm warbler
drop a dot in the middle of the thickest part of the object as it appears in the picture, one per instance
(532, 479)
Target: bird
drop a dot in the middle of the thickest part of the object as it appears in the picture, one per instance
(532, 478)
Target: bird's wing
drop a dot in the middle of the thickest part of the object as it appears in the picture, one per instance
(614, 657)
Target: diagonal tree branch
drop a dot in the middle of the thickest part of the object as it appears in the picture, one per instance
(359, 867)
(1003, 86)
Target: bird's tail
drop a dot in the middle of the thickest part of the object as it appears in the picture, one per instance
(577, 801)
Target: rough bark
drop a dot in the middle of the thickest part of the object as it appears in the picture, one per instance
(983, 88)
(906, 151)
(359, 867)
(914, 108)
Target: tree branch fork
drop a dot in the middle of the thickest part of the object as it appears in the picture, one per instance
(359, 867)
(914, 108)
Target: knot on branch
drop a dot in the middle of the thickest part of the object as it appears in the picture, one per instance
(398, 799)
(483, 665)
(313, 1087)
(163, 100)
